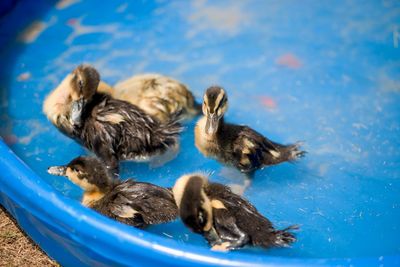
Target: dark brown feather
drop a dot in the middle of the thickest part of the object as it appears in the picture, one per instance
(233, 147)
(135, 136)
(241, 214)
(153, 204)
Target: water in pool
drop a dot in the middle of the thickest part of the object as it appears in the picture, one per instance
(324, 74)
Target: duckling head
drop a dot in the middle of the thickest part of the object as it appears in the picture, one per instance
(193, 204)
(86, 172)
(214, 107)
(84, 82)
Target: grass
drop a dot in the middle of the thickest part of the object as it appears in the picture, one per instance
(16, 248)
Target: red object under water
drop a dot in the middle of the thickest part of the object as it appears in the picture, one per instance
(289, 60)
(268, 102)
(10, 139)
(72, 22)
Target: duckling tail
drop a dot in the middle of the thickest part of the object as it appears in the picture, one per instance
(283, 238)
(293, 152)
(280, 153)
(170, 130)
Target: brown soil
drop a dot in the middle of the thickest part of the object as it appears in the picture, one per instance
(16, 248)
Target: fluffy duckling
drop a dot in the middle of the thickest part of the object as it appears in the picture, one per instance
(57, 104)
(134, 203)
(225, 219)
(159, 96)
(236, 145)
(114, 129)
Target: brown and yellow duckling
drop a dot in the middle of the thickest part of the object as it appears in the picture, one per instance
(225, 219)
(113, 129)
(57, 104)
(236, 145)
(130, 202)
(158, 95)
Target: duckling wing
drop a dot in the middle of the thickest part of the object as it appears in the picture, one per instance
(151, 203)
(147, 137)
(247, 219)
(116, 130)
(230, 234)
(231, 201)
(252, 150)
(131, 125)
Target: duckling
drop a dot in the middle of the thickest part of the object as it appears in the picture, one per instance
(160, 96)
(114, 129)
(130, 202)
(236, 145)
(225, 219)
(57, 104)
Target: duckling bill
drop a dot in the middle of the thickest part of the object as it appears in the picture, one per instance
(236, 145)
(113, 129)
(130, 202)
(225, 219)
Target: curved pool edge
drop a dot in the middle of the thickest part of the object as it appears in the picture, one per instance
(69, 232)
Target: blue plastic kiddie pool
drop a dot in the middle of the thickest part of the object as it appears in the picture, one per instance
(324, 73)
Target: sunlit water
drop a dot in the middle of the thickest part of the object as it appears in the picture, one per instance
(326, 75)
